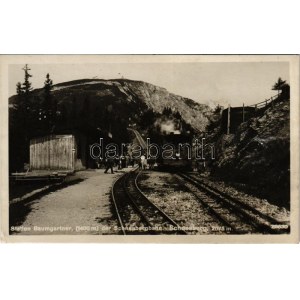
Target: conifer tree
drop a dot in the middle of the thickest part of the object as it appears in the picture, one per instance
(49, 113)
(27, 84)
(278, 85)
(21, 119)
(20, 102)
(19, 89)
(26, 88)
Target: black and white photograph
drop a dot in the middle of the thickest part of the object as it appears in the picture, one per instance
(149, 150)
(173, 148)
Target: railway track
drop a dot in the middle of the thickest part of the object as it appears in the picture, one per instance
(139, 138)
(240, 217)
(136, 213)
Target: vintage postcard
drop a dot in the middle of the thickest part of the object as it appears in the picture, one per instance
(149, 148)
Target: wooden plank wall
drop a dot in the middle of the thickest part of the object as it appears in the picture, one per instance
(53, 152)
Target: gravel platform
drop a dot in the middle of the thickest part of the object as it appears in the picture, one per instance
(80, 209)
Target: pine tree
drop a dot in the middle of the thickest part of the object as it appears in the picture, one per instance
(26, 88)
(20, 103)
(278, 85)
(27, 84)
(47, 89)
(49, 113)
(19, 89)
(21, 120)
(177, 115)
(167, 111)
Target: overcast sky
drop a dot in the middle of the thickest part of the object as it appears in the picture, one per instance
(230, 82)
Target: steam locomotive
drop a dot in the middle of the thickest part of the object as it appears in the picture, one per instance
(176, 152)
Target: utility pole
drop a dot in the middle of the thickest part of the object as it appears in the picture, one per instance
(228, 120)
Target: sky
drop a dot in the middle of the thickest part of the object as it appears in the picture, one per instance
(231, 83)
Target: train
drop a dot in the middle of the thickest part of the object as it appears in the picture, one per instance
(176, 152)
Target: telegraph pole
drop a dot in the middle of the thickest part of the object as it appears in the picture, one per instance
(228, 120)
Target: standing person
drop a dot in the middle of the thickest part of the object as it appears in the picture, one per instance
(116, 161)
(109, 165)
(143, 162)
(127, 160)
(140, 163)
(132, 162)
(123, 162)
(97, 162)
(101, 163)
(151, 163)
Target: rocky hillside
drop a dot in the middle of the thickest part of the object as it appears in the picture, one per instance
(157, 98)
(127, 98)
(258, 155)
(92, 106)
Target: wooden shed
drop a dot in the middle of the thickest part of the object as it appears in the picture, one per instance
(58, 152)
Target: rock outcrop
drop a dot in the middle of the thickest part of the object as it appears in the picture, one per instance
(258, 154)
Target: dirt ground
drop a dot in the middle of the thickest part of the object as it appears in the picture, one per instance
(167, 192)
(82, 208)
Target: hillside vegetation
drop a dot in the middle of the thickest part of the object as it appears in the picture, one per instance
(110, 106)
(129, 99)
(257, 156)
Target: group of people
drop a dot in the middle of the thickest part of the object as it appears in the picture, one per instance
(119, 162)
(124, 162)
